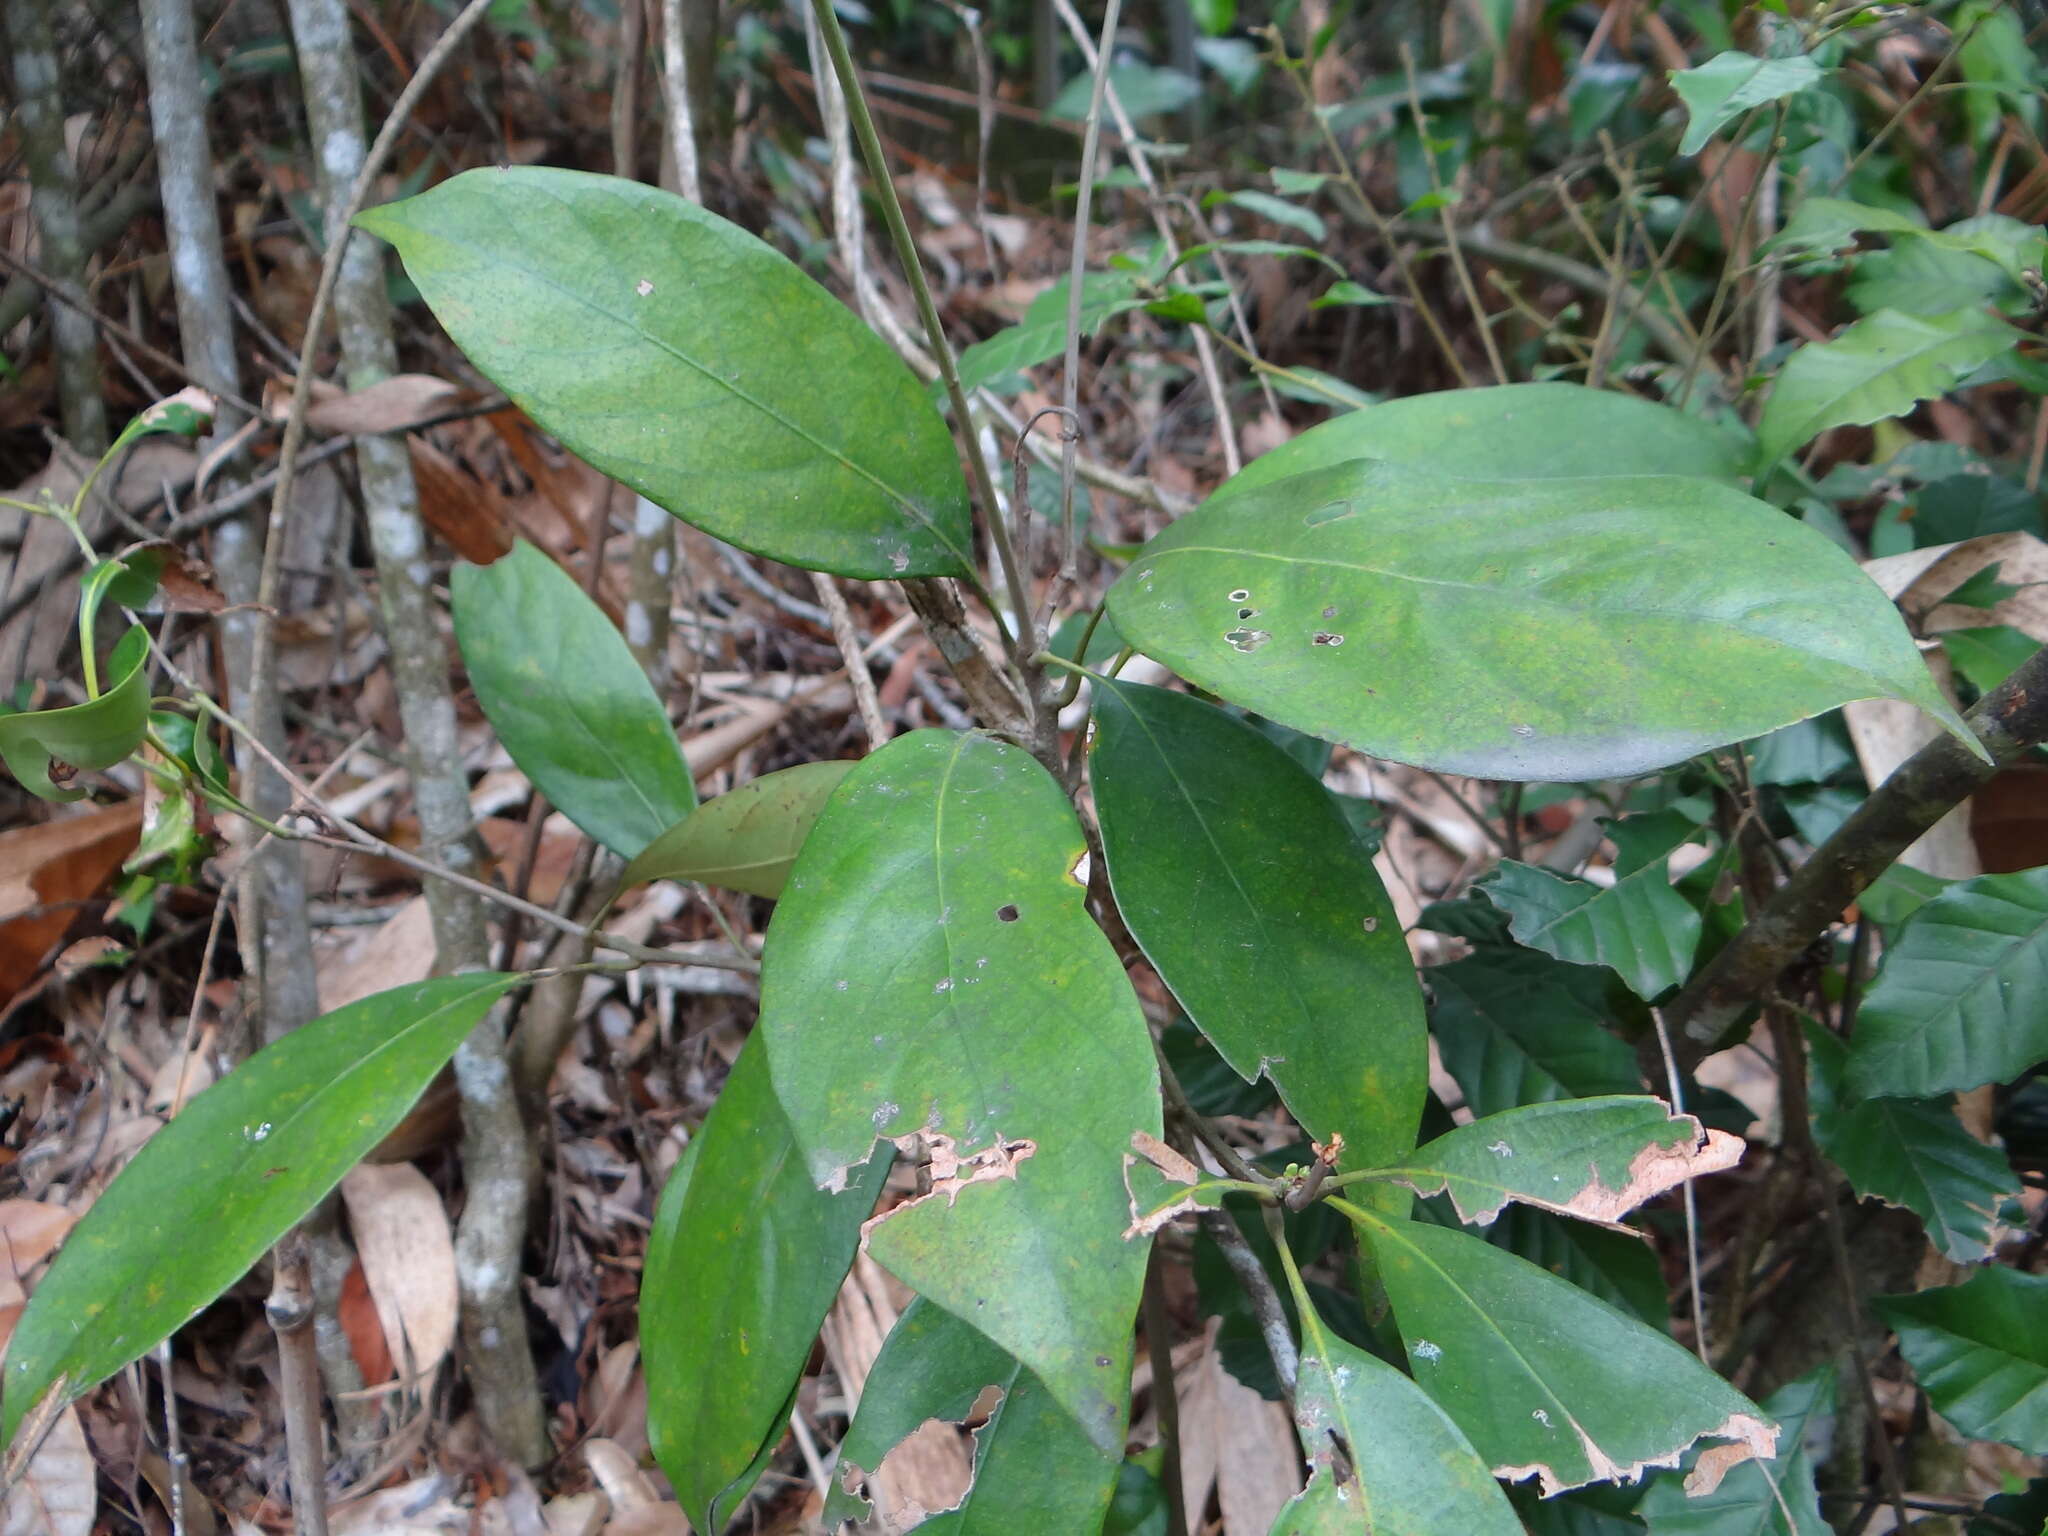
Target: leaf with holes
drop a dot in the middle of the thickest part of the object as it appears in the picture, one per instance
(932, 970)
(1962, 997)
(46, 748)
(1880, 367)
(1772, 1496)
(1517, 1027)
(244, 1161)
(1729, 84)
(1980, 1350)
(1240, 879)
(569, 701)
(680, 355)
(933, 1366)
(1512, 432)
(1533, 629)
(1912, 1153)
(744, 1260)
(1596, 1159)
(1545, 1380)
(1639, 927)
(747, 838)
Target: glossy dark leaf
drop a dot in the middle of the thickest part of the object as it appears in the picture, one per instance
(1980, 1349)
(1516, 1027)
(1639, 927)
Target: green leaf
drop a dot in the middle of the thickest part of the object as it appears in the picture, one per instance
(1987, 657)
(1411, 1471)
(1719, 91)
(1617, 1266)
(1280, 211)
(1596, 1159)
(680, 355)
(747, 838)
(1825, 225)
(1980, 1351)
(1516, 1027)
(1259, 248)
(1913, 1153)
(1348, 292)
(1639, 927)
(568, 700)
(932, 969)
(1962, 997)
(1511, 432)
(1545, 1380)
(1772, 1497)
(244, 1161)
(1240, 879)
(1042, 334)
(1526, 630)
(743, 1263)
(45, 748)
(934, 1366)
(1880, 367)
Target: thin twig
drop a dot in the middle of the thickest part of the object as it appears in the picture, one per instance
(857, 674)
(1077, 268)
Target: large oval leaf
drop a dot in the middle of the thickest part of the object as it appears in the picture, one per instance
(1544, 1379)
(747, 838)
(744, 1260)
(1981, 1351)
(1511, 432)
(932, 969)
(683, 357)
(1962, 998)
(1773, 1497)
(1241, 880)
(568, 700)
(209, 1194)
(44, 748)
(1539, 629)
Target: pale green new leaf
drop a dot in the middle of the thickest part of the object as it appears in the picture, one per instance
(747, 838)
(932, 969)
(1639, 927)
(1980, 1349)
(1878, 368)
(1912, 1153)
(1595, 1159)
(1962, 997)
(568, 700)
(1240, 879)
(1579, 628)
(1719, 91)
(743, 1263)
(211, 1192)
(680, 355)
(45, 748)
(1042, 334)
(1545, 1380)
(1770, 1497)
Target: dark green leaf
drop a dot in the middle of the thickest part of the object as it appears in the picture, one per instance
(1987, 657)
(569, 701)
(1618, 1267)
(680, 355)
(1814, 751)
(1034, 1470)
(44, 748)
(1596, 1159)
(1980, 1350)
(1239, 878)
(747, 838)
(1962, 997)
(209, 1194)
(1773, 1497)
(1959, 507)
(1516, 1027)
(1913, 1153)
(1579, 628)
(1639, 927)
(932, 969)
(1512, 432)
(744, 1261)
(1545, 1380)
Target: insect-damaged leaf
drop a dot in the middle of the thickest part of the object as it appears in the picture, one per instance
(1535, 629)
(1981, 1351)
(1544, 1379)
(1595, 1159)
(1034, 1470)
(932, 969)
(1240, 878)
(743, 1262)
(1771, 1496)
(1511, 432)
(246, 1159)
(685, 358)
(747, 838)
(568, 700)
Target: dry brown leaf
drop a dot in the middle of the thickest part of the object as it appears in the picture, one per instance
(421, 1507)
(467, 512)
(652, 1520)
(29, 1231)
(46, 868)
(1885, 733)
(56, 1495)
(198, 1510)
(1920, 579)
(1201, 1429)
(390, 405)
(395, 953)
(408, 1253)
(577, 1514)
(1257, 1469)
(619, 1475)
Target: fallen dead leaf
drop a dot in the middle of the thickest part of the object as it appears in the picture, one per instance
(1257, 1468)
(621, 1479)
(56, 1494)
(395, 953)
(44, 869)
(421, 1507)
(390, 405)
(408, 1253)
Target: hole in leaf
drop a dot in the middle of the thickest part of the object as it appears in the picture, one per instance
(1247, 640)
(1324, 637)
(1240, 596)
(1007, 912)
